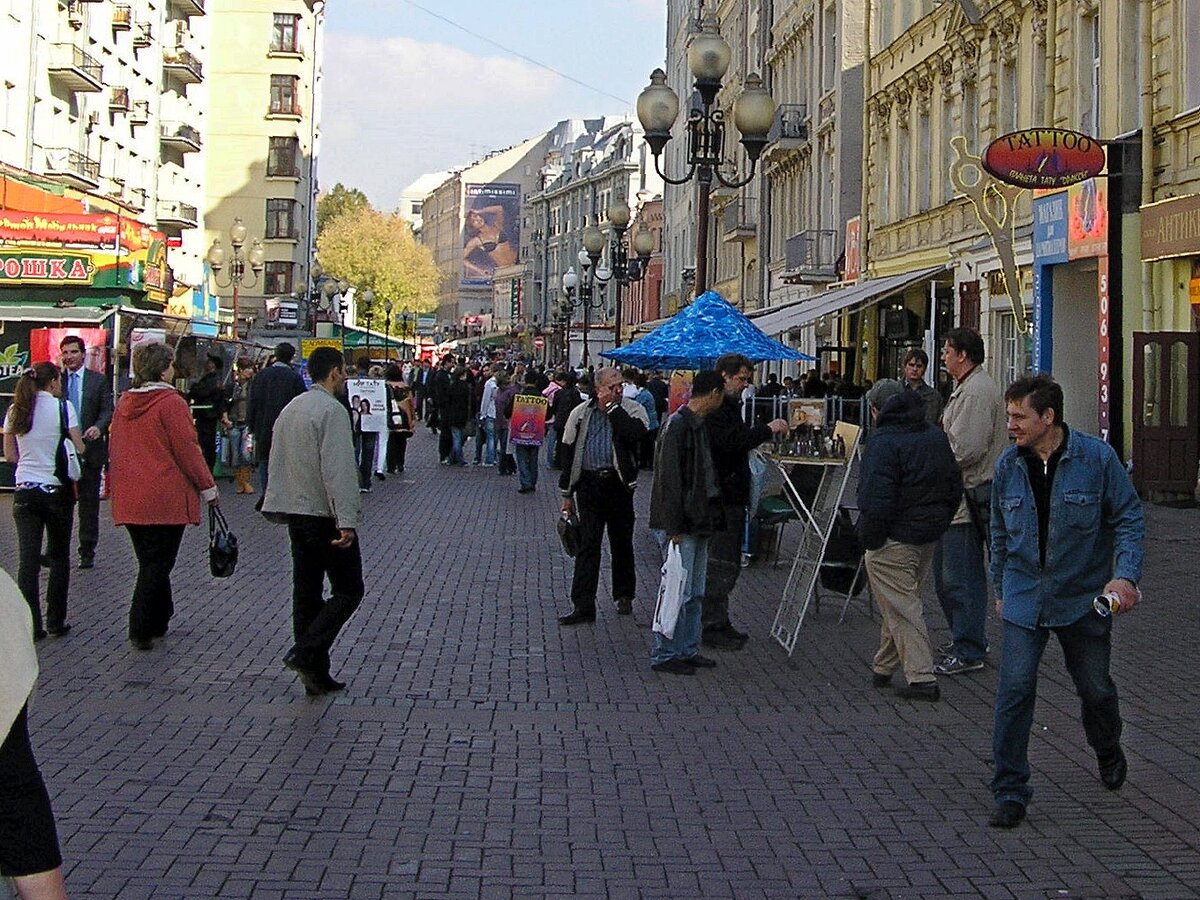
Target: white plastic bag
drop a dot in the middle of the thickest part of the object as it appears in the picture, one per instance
(670, 592)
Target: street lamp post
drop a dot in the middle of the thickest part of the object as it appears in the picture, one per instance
(753, 115)
(625, 270)
(580, 289)
(237, 265)
(387, 331)
(369, 314)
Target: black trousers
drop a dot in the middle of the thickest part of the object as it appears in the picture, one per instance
(602, 501)
(397, 449)
(445, 438)
(28, 838)
(156, 547)
(35, 512)
(88, 496)
(206, 433)
(724, 567)
(365, 446)
(316, 621)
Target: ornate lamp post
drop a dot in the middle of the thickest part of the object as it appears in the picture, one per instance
(387, 330)
(368, 314)
(753, 115)
(237, 265)
(581, 290)
(624, 269)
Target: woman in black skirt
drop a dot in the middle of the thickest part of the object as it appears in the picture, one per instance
(29, 853)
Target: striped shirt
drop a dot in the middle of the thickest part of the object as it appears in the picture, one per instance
(598, 448)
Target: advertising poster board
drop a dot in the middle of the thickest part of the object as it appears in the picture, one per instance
(491, 231)
(807, 412)
(681, 390)
(44, 343)
(368, 404)
(528, 423)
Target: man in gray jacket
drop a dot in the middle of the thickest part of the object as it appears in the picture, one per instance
(314, 490)
(975, 423)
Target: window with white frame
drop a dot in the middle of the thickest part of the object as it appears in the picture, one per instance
(1191, 55)
(1012, 350)
(829, 65)
(924, 158)
(1089, 75)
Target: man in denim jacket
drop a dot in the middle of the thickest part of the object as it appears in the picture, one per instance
(1067, 526)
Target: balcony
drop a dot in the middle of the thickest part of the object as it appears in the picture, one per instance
(178, 136)
(73, 168)
(811, 257)
(143, 35)
(188, 7)
(790, 130)
(182, 65)
(739, 221)
(118, 99)
(137, 198)
(122, 17)
(75, 69)
(175, 215)
(139, 113)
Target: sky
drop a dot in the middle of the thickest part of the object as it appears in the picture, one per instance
(408, 93)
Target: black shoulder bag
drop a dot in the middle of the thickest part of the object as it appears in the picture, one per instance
(222, 544)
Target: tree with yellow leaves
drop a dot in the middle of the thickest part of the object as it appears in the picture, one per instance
(376, 250)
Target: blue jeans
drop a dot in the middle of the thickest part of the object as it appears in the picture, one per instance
(457, 438)
(485, 436)
(685, 643)
(1086, 646)
(527, 465)
(962, 589)
(551, 445)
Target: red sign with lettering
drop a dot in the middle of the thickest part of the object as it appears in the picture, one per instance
(1044, 158)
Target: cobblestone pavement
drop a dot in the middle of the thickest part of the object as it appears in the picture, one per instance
(481, 750)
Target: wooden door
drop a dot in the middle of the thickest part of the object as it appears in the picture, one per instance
(1166, 411)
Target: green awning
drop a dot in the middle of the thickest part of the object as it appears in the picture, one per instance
(357, 337)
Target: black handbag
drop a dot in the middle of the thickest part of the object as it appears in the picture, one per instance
(222, 544)
(568, 533)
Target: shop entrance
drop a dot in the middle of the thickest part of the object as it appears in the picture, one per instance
(1166, 411)
(1076, 342)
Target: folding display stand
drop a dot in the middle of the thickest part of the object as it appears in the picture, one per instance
(818, 519)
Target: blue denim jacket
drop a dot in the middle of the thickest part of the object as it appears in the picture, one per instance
(1094, 535)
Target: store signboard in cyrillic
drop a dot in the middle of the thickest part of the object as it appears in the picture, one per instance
(1171, 228)
(31, 267)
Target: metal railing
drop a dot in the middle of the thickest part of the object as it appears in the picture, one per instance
(72, 56)
(65, 161)
(177, 131)
(812, 253)
(791, 123)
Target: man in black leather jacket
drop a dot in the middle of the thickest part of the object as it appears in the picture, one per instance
(908, 491)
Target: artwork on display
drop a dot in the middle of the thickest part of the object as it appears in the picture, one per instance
(44, 344)
(680, 390)
(491, 231)
(368, 403)
(808, 412)
(528, 423)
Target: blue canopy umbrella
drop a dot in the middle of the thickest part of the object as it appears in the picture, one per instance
(695, 336)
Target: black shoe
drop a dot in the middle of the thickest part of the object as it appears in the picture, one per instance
(525, 490)
(701, 662)
(879, 680)
(379, 476)
(729, 631)
(922, 690)
(45, 561)
(309, 677)
(142, 643)
(39, 634)
(58, 630)
(624, 606)
(577, 617)
(1113, 768)
(675, 667)
(87, 562)
(1007, 814)
(719, 640)
(327, 682)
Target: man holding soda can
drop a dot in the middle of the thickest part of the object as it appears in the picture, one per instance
(1067, 531)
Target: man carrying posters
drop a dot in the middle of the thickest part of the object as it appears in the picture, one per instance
(526, 430)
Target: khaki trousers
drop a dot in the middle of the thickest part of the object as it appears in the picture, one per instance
(896, 571)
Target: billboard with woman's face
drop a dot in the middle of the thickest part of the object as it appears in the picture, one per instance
(491, 231)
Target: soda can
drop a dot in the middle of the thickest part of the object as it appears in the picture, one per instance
(1107, 604)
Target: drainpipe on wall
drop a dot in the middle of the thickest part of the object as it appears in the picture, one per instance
(1147, 74)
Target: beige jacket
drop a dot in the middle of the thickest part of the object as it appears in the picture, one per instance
(18, 661)
(312, 466)
(975, 422)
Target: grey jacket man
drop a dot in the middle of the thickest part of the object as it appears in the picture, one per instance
(313, 470)
(975, 423)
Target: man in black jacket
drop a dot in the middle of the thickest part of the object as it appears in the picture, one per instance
(731, 440)
(685, 504)
(599, 474)
(271, 390)
(908, 491)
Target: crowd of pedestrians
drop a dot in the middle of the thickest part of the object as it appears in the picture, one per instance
(1047, 523)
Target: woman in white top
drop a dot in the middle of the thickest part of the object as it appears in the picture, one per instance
(44, 502)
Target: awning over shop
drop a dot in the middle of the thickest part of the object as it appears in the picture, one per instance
(32, 313)
(357, 337)
(780, 319)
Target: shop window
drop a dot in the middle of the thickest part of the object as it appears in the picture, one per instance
(1012, 350)
(1178, 413)
(1152, 386)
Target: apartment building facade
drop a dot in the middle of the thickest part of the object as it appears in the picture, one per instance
(264, 98)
